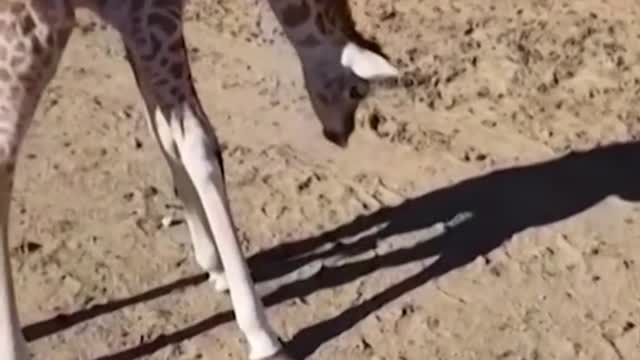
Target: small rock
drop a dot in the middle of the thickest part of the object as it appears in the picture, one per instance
(30, 247)
(170, 221)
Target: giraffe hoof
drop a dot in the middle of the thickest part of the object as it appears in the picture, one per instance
(20, 351)
(280, 355)
(219, 281)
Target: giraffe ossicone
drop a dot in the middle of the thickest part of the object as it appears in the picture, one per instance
(366, 63)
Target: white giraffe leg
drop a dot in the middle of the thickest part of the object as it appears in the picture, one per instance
(204, 246)
(128, 18)
(198, 152)
(202, 239)
(160, 63)
(192, 148)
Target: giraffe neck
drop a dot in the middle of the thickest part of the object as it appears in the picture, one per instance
(314, 26)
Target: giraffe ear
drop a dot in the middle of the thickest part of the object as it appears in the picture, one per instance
(365, 63)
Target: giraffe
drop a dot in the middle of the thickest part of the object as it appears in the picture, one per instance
(33, 36)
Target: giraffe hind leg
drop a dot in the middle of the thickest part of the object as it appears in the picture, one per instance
(32, 46)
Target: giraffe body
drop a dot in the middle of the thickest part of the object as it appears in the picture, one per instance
(33, 36)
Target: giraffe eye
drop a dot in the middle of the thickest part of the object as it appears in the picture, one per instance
(358, 91)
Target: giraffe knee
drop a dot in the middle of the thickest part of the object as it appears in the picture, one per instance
(206, 255)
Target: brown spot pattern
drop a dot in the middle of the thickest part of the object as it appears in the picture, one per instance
(17, 8)
(177, 70)
(4, 53)
(295, 15)
(17, 61)
(163, 22)
(321, 24)
(27, 24)
(310, 40)
(5, 75)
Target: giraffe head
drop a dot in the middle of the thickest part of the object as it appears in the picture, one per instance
(337, 85)
(336, 70)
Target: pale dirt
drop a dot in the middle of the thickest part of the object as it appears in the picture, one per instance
(539, 262)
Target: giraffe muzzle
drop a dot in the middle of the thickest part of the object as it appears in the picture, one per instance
(337, 138)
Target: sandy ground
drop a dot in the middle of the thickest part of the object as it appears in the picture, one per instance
(457, 225)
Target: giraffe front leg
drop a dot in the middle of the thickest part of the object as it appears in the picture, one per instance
(200, 233)
(194, 157)
(200, 155)
(152, 32)
(204, 247)
(193, 153)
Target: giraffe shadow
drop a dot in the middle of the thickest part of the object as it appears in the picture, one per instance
(64, 321)
(501, 204)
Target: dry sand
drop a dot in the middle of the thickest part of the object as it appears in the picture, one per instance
(456, 226)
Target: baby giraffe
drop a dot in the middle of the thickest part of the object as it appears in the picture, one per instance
(33, 36)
